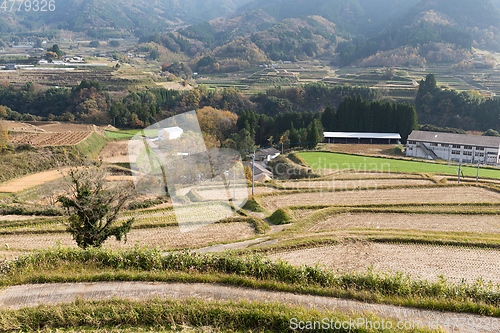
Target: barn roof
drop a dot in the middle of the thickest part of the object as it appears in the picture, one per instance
(362, 135)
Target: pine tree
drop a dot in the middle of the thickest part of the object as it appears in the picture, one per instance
(294, 136)
(313, 136)
(328, 118)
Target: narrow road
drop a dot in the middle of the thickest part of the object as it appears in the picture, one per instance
(16, 297)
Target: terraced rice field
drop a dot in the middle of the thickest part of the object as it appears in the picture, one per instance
(420, 261)
(164, 237)
(439, 194)
(354, 183)
(49, 139)
(427, 222)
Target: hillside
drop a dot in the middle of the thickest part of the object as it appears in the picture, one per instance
(93, 15)
(448, 27)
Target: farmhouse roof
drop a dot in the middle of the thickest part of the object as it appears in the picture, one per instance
(267, 151)
(455, 139)
(173, 129)
(259, 169)
(362, 135)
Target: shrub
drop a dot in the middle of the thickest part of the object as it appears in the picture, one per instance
(280, 216)
(252, 205)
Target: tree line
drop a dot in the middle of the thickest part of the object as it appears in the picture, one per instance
(467, 110)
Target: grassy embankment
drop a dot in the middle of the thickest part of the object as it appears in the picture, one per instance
(75, 265)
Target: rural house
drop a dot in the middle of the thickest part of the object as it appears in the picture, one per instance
(267, 154)
(454, 147)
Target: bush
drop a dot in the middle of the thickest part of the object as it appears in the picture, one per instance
(280, 216)
(145, 204)
(252, 205)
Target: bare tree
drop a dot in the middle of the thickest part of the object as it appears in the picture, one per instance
(94, 204)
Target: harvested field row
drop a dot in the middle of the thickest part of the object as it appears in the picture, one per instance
(382, 196)
(427, 222)
(348, 174)
(165, 238)
(49, 139)
(355, 183)
(420, 261)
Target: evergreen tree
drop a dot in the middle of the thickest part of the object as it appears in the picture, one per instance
(313, 136)
(294, 136)
(328, 118)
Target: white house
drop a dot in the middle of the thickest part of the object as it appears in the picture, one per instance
(170, 133)
(454, 147)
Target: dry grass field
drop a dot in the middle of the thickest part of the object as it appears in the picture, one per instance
(427, 222)
(166, 238)
(439, 194)
(420, 261)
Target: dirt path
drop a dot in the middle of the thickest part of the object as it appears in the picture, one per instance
(31, 295)
(18, 185)
(420, 261)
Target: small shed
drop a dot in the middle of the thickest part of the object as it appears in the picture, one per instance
(170, 133)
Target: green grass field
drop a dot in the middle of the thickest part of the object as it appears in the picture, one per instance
(326, 160)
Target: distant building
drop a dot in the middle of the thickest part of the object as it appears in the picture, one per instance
(10, 67)
(261, 174)
(454, 147)
(362, 137)
(265, 155)
(170, 133)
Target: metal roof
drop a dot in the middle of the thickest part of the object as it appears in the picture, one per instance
(362, 135)
(455, 139)
(267, 151)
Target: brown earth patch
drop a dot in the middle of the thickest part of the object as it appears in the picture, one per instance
(115, 152)
(18, 185)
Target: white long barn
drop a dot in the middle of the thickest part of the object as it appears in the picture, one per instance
(362, 137)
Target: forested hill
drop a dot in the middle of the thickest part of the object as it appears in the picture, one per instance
(456, 25)
(148, 15)
(350, 16)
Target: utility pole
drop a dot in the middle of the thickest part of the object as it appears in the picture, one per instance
(459, 171)
(477, 175)
(253, 172)
(282, 148)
